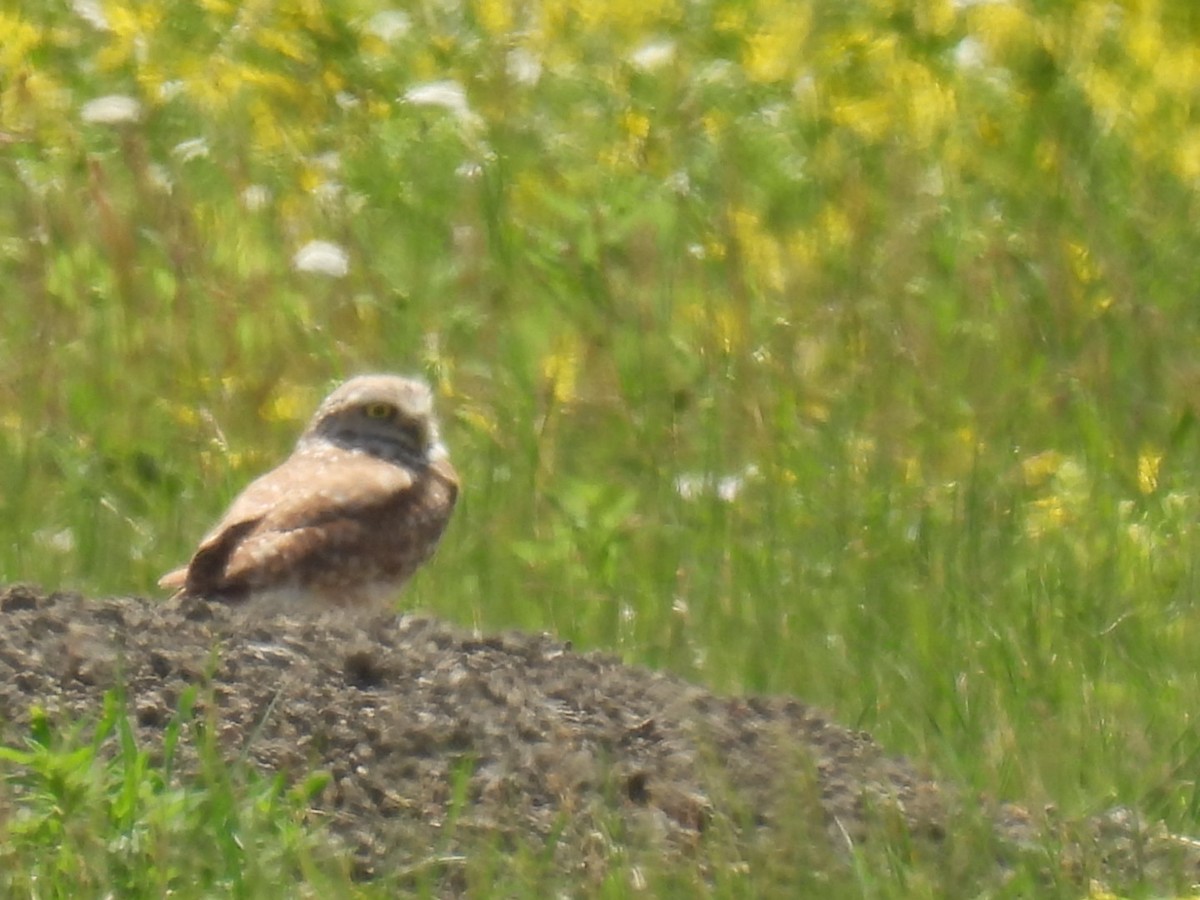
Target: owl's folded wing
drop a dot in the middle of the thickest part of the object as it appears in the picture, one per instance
(284, 517)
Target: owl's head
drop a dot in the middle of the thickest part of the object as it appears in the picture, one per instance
(389, 416)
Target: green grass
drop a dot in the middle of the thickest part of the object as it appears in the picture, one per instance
(919, 280)
(78, 820)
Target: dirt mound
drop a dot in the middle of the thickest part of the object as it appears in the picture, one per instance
(399, 710)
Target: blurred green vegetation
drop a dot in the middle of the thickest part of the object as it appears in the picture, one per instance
(93, 823)
(844, 350)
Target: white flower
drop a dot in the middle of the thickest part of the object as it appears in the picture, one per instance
(330, 161)
(389, 25)
(692, 486)
(255, 197)
(968, 53)
(92, 12)
(522, 66)
(653, 55)
(61, 540)
(448, 95)
(171, 89)
(113, 109)
(679, 183)
(160, 177)
(322, 257)
(195, 148)
(730, 486)
(329, 192)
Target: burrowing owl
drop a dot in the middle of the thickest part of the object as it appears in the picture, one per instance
(347, 518)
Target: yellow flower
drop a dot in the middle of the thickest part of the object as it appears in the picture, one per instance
(1081, 263)
(1186, 157)
(19, 38)
(635, 124)
(1144, 41)
(290, 403)
(868, 117)
(479, 419)
(773, 53)
(717, 322)
(1177, 69)
(730, 20)
(912, 469)
(1048, 155)
(1107, 95)
(834, 227)
(268, 130)
(861, 449)
(930, 105)
(1045, 515)
(759, 248)
(129, 31)
(1149, 463)
(935, 16)
(284, 43)
(560, 368)
(1039, 468)
(1004, 27)
(496, 16)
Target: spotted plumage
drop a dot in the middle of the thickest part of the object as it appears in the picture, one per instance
(347, 518)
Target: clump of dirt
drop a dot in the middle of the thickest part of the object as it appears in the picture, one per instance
(400, 709)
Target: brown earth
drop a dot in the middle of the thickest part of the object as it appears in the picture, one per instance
(398, 710)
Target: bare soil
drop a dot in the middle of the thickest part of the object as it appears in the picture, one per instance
(545, 746)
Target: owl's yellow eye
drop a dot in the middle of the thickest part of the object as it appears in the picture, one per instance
(380, 410)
